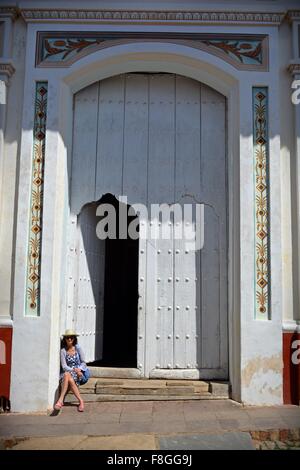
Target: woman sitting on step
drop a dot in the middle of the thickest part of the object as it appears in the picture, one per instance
(74, 371)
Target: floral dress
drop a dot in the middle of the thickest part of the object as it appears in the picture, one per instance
(74, 362)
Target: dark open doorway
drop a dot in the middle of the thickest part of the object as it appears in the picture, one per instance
(120, 296)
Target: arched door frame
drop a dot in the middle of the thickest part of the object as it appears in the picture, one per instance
(62, 85)
(214, 73)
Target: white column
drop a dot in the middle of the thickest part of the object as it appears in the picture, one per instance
(3, 100)
(3, 107)
(261, 351)
(6, 70)
(295, 70)
(297, 158)
(35, 354)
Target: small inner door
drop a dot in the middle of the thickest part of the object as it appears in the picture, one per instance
(120, 296)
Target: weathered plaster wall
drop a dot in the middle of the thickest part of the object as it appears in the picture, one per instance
(262, 378)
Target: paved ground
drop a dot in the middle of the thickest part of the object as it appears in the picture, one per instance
(217, 424)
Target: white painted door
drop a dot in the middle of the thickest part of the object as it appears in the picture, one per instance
(161, 138)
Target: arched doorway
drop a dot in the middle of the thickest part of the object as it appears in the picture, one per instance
(106, 287)
(120, 295)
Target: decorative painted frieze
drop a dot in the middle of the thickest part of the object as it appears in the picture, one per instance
(157, 17)
(244, 51)
(61, 49)
(36, 204)
(262, 235)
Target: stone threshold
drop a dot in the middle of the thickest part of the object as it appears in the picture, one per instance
(109, 389)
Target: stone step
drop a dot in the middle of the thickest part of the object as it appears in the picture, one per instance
(115, 372)
(199, 385)
(145, 391)
(110, 389)
(108, 382)
(219, 388)
(137, 383)
(108, 386)
(157, 382)
(94, 398)
(89, 387)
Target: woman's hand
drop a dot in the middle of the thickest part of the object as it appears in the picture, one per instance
(78, 372)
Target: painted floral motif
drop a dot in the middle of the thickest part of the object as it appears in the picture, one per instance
(245, 52)
(260, 135)
(36, 205)
(63, 48)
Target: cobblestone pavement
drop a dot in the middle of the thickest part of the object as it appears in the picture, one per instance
(276, 445)
(283, 439)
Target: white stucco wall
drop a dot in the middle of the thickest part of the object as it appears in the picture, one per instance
(255, 346)
(289, 279)
(261, 350)
(9, 167)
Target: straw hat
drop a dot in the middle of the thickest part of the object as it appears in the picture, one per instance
(70, 333)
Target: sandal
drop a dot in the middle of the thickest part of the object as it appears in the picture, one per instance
(81, 406)
(58, 405)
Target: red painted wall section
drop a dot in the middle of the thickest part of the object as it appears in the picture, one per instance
(291, 368)
(5, 361)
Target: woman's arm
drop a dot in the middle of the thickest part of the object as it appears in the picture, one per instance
(82, 365)
(63, 361)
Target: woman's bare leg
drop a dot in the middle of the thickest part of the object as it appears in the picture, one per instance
(75, 389)
(64, 387)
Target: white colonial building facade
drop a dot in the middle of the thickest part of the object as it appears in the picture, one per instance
(137, 105)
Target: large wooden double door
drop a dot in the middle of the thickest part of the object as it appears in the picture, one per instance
(157, 139)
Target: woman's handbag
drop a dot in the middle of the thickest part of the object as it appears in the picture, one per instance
(85, 376)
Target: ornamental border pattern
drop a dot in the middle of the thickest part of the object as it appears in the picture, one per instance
(262, 235)
(63, 48)
(293, 15)
(294, 69)
(32, 304)
(7, 69)
(9, 11)
(161, 17)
